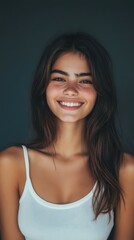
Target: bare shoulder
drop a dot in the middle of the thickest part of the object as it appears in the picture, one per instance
(11, 159)
(126, 173)
(10, 153)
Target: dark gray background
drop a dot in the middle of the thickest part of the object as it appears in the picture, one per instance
(26, 27)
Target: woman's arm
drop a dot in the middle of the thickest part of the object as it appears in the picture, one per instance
(9, 194)
(124, 220)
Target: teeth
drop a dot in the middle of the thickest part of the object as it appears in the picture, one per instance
(71, 104)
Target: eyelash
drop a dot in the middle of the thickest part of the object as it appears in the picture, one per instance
(86, 81)
(58, 79)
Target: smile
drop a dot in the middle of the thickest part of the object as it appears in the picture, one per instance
(71, 104)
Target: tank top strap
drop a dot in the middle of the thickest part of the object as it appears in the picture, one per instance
(26, 159)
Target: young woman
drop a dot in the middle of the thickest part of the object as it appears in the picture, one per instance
(73, 181)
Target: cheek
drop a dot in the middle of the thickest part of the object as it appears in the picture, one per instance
(50, 92)
(91, 95)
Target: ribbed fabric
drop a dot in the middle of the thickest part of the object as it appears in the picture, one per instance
(39, 219)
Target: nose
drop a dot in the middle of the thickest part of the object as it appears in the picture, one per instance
(71, 90)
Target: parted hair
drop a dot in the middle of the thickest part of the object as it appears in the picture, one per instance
(103, 144)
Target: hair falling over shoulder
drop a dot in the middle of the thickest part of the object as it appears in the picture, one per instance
(102, 140)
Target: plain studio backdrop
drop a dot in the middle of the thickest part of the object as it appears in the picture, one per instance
(28, 25)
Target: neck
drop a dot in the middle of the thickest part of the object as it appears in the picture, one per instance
(70, 139)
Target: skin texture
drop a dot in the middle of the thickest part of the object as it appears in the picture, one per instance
(71, 179)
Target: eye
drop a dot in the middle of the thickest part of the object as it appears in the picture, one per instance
(86, 81)
(58, 79)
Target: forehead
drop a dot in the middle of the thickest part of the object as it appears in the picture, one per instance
(70, 60)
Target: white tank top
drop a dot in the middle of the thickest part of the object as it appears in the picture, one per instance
(39, 219)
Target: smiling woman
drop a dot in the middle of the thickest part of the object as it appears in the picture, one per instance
(73, 181)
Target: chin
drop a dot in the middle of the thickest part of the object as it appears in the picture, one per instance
(71, 119)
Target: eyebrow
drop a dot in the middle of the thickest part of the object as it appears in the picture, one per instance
(76, 74)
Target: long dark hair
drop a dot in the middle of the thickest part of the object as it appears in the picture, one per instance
(104, 149)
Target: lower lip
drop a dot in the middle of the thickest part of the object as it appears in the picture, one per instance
(69, 108)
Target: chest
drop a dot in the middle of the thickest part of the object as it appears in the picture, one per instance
(64, 185)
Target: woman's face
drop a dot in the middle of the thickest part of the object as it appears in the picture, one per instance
(70, 93)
